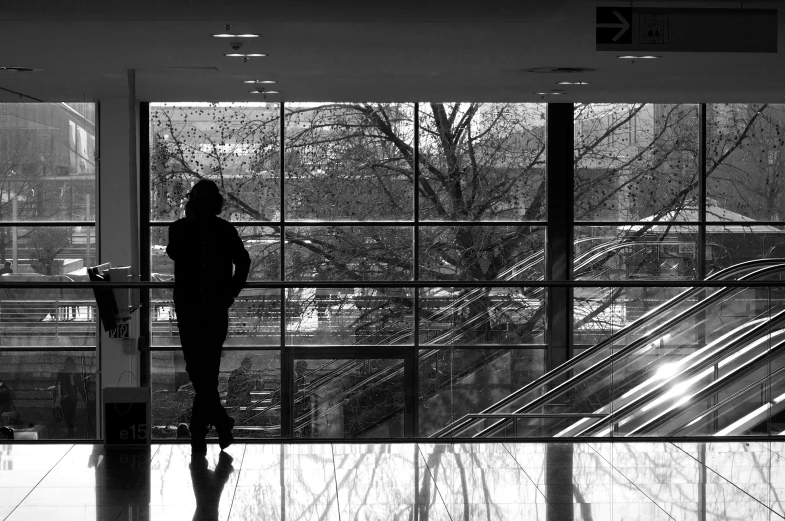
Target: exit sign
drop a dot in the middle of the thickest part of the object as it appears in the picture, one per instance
(654, 30)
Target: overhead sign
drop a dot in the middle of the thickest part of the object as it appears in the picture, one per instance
(653, 30)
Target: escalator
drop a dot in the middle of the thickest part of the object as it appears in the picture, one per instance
(685, 367)
(536, 412)
(597, 254)
(327, 372)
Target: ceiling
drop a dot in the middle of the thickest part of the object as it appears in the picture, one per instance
(357, 50)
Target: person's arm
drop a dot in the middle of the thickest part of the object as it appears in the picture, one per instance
(175, 241)
(242, 263)
(80, 386)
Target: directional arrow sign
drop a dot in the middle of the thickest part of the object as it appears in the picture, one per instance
(669, 29)
(613, 25)
(623, 25)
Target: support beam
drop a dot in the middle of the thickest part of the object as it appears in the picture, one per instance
(118, 224)
(558, 266)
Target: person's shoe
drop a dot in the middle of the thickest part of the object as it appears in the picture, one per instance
(225, 437)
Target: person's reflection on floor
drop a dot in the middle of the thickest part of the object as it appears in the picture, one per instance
(209, 484)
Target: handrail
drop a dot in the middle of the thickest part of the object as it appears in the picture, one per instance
(746, 368)
(698, 365)
(573, 362)
(727, 400)
(394, 368)
(642, 341)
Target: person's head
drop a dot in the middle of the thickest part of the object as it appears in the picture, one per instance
(69, 365)
(247, 363)
(7, 264)
(205, 199)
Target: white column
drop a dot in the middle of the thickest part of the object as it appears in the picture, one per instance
(117, 224)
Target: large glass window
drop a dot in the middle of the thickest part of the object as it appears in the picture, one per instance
(334, 193)
(398, 248)
(47, 235)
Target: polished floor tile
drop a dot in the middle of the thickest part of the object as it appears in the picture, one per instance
(406, 481)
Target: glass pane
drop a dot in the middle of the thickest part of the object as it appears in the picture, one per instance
(732, 244)
(482, 252)
(349, 161)
(482, 161)
(48, 251)
(647, 251)
(348, 253)
(254, 319)
(31, 382)
(346, 316)
(455, 382)
(360, 398)
(261, 242)
(477, 316)
(46, 317)
(636, 162)
(249, 383)
(237, 145)
(744, 162)
(47, 161)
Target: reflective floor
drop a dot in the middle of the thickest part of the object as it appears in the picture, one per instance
(490, 481)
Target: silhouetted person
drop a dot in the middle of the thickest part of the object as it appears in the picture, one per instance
(6, 268)
(70, 384)
(209, 485)
(204, 248)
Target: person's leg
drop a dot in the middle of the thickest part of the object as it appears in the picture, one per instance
(202, 336)
(219, 327)
(188, 324)
(69, 413)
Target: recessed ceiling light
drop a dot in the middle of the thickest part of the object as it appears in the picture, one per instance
(573, 82)
(559, 70)
(551, 93)
(645, 57)
(259, 82)
(241, 55)
(262, 91)
(18, 69)
(230, 35)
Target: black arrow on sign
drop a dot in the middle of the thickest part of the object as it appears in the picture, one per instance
(623, 26)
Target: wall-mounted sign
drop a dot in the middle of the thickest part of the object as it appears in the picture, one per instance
(655, 30)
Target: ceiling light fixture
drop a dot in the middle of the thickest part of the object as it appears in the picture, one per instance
(228, 34)
(550, 93)
(559, 70)
(18, 69)
(644, 57)
(573, 82)
(259, 82)
(262, 91)
(241, 55)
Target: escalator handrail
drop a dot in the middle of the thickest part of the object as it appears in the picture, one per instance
(569, 364)
(729, 399)
(697, 366)
(637, 343)
(717, 385)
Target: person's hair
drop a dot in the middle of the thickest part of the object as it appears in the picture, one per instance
(206, 192)
(6, 263)
(69, 363)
